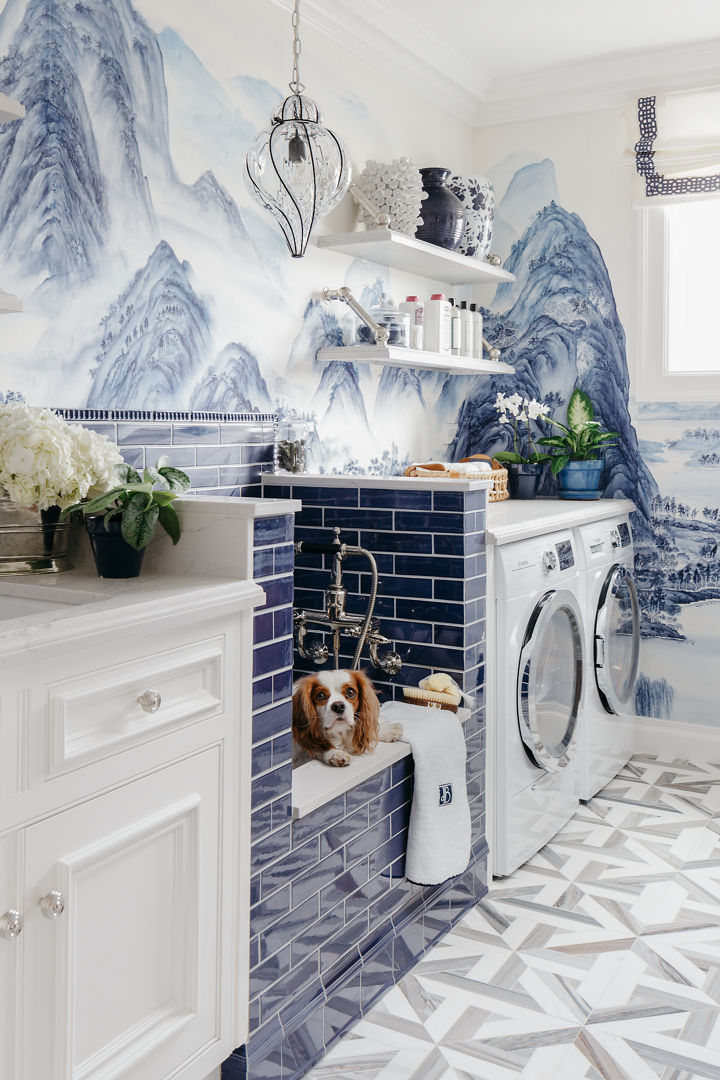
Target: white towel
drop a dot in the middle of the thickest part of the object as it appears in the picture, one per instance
(439, 838)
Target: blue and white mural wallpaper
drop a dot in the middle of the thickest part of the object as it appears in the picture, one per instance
(151, 281)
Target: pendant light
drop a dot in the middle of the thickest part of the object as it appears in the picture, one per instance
(297, 169)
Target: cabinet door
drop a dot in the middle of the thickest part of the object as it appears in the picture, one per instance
(124, 982)
(11, 946)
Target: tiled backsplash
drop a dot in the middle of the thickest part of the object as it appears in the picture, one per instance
(222, 453)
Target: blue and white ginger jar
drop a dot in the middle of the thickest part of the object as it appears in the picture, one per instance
(478, 198)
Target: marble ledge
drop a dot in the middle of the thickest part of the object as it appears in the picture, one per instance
(78, 603)
(410, 483)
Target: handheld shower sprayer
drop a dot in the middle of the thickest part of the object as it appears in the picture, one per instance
(335, 619)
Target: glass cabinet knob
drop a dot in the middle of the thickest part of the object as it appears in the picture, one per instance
(52, 904)
(11, 923)
(150, 701)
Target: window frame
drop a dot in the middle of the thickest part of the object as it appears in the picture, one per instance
(654, 381)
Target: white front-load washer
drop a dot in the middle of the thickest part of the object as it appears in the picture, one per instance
(539, 648)
(612, 617)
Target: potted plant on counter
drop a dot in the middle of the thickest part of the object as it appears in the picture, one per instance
(524, 463)
(577, 461)
(122, 521)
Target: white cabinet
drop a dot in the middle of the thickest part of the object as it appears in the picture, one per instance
(124, 846)
(124, 980)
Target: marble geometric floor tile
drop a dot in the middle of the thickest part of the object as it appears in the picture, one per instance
(597, 960)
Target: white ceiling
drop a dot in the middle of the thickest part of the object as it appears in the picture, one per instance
(515, 59)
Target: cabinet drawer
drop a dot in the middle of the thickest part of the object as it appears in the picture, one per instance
(96, 714)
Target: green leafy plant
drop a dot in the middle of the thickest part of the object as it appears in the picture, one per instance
(582, 439)
(141, 502)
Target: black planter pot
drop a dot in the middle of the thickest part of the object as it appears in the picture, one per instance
(523, 480)
(114, 557)
(442, 212)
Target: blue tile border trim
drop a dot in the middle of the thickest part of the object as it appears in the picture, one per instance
(143, 415)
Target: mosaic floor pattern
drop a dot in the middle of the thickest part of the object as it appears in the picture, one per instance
(597, 960)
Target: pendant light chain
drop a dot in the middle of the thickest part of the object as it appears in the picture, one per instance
(296, 86)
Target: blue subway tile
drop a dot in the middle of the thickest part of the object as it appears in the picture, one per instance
(269, 910)
(282, 684)
(407, 631)
(254, 453)
(432, 566)
(342, 947)
(282, 810)
(476, 500)
(270, 785)
(269, 847)
(400, 819)
(316, 877)
(345, 830)
(303, 918)
(449, 500)
(284, 559)
(319, 820)
(385, 804)
(418, 543)
(475, 631)
(293, 864)
(358, 519)
(384, 856)
(260, 822)
(182, 434)
(263, 562)
(143, 434)
(273, 530)
(278, 591)
(134, 457)
(391, 585)
(204, 478)
(261, 757)
(326, 496)
(216, 454)
(282, 749)
(361, 899)
(413, 522)
(430, 611)
(283, 622)
(342, 886)
(439, 657)
(262, 693)
(316, 934)
(309, 516)
(449, 589)
(181, 457)
(272, 721)
(367, 790)
(453, 636)
(377, 974)
(272, 657)
(236, 475)
(275, 490)
(400, 500)
(263, 627)
(449, 544)
(306, 993)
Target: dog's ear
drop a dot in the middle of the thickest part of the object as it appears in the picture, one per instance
(305, 720)
(365, 735)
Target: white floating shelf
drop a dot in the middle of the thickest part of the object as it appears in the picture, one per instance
(398, 356)
(9, 303)
(10, 109)
(415, 257)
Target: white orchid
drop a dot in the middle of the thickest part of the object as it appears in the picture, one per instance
(522, 410)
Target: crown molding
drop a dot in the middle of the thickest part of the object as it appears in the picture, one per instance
(604, 83)
(414, 58)
(380, 49)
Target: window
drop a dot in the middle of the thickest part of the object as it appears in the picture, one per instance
(679, 323)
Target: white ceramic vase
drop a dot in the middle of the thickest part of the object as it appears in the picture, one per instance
(478, 198)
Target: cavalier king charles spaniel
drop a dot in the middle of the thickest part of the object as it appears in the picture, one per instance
(335, 715)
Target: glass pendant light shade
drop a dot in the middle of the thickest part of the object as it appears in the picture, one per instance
(297, 169)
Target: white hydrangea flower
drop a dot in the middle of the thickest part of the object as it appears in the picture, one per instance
(44, 461)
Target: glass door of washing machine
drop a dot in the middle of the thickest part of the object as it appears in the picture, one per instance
(550, 675)
(617, 640)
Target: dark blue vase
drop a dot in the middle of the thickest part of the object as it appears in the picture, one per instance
(442, 212)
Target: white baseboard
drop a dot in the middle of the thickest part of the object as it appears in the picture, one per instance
(676, 739)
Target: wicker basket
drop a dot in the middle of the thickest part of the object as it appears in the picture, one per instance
(499, 490)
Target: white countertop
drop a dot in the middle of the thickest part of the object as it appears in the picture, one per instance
(80, 603)
(519, 519)
(423, 483)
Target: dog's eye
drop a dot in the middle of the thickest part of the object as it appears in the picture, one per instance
(350, 693)
(321, 695)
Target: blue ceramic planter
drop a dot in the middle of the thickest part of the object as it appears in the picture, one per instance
(580, 480)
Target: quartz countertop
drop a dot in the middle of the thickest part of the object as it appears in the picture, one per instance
(423, 483)
(519, 519)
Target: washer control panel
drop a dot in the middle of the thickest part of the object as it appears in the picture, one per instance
(566, 557)
(550, 561)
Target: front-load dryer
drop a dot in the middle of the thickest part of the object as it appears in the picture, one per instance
(539, 648)
(607, 737)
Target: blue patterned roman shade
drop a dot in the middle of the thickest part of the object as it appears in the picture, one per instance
(678, 149)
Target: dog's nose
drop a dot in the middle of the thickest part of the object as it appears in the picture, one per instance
(338, 707)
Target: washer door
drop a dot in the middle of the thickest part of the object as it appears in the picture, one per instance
(549, 686)
(617, 639)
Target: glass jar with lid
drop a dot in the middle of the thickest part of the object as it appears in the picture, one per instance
(291, 446)
(386, 314)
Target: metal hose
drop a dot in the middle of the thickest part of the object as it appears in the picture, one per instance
(371, 602)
